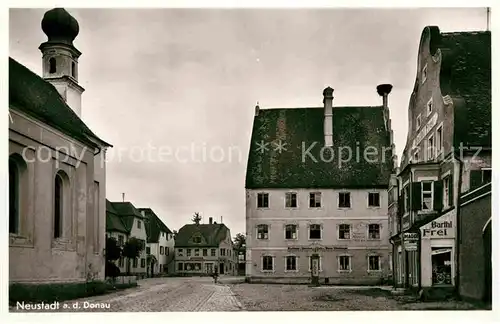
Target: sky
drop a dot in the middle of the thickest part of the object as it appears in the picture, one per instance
(186, 81)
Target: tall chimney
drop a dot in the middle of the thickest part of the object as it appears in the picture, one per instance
(328, 123)
(123, 196)
(384, 90)
(221, 219)
(210, 220)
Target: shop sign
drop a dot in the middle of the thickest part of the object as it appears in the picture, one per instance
(410, 241)
(443, 227)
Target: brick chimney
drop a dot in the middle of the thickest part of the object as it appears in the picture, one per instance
(328, 123)
(210, 220)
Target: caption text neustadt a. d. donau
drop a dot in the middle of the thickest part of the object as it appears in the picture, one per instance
(58, 305)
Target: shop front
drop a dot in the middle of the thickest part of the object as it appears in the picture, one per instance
(438, 251)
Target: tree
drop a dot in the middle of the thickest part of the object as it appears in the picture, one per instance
(239, 241)
(196, 218)
(113, 252)
(132, 249)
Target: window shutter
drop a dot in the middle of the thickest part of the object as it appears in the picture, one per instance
(476, 177)
(438, 195)
(416, 195)
(450, 191)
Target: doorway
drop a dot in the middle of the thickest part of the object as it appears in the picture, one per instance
(221, 268)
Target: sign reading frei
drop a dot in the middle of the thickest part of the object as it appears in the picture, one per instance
(443, 227)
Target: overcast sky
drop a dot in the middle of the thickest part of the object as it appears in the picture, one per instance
(177, 78)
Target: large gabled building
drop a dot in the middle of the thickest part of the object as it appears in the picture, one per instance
(202, 249)
(159, 246)
(448, 152)
(316, 186)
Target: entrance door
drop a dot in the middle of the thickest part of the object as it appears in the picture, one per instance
(221, 268)
(209, 267)
(487, 264)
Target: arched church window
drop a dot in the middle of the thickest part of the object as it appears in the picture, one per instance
(73, 69)
(59, 203)
(52, 65)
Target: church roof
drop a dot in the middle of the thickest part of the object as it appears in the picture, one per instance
(32, 95)
(213, 235)
(301, 128)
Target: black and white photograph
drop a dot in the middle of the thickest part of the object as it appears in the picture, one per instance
(249, 159)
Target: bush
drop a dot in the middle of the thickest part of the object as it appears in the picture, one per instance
(111, 270)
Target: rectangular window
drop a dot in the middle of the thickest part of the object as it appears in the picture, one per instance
(120, 240)
(416, 157)
(406, 197)
(188, 252)
(167, 250)
(262, 200)
(291, 232)
(427, 195)
(315, 232)
(148, 250)
(345, 200)
(374, 232)
(134, 263)
(138, 224)
(180, 252)
(262, 232)
(429, 107)
(315, 199)
(430, 148)
(180, 266)
(441, 265)
(120, 262)
(439, 139)
(344, 263)
(373, 263)
(196, 252)
(291, 200)
(212, 252)
(373, 199)
(267, 263)
(161, 250)
(291, 263)
(197, 239)
(446, 191)
(223, 252)
(419, 121)
(344, 232)
(143, 263)
(205, 252)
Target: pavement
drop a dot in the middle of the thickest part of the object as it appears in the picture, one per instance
(186, 294)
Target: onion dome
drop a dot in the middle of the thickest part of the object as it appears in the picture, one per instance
(60, 26)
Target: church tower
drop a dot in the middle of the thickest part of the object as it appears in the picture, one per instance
(60, 57)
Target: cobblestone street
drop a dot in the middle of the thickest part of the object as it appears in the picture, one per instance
(160, 295)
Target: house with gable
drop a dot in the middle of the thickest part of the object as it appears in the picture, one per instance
(316, 193)
(57, 167)
(447, 154)
(160, 244)
(201, 249)
(123, 215)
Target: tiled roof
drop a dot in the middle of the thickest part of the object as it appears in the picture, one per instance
(466, 74)
(154, 225)
(299, 128)
(213, 235)
(127, 212)
(32, 95)
(113, 220)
